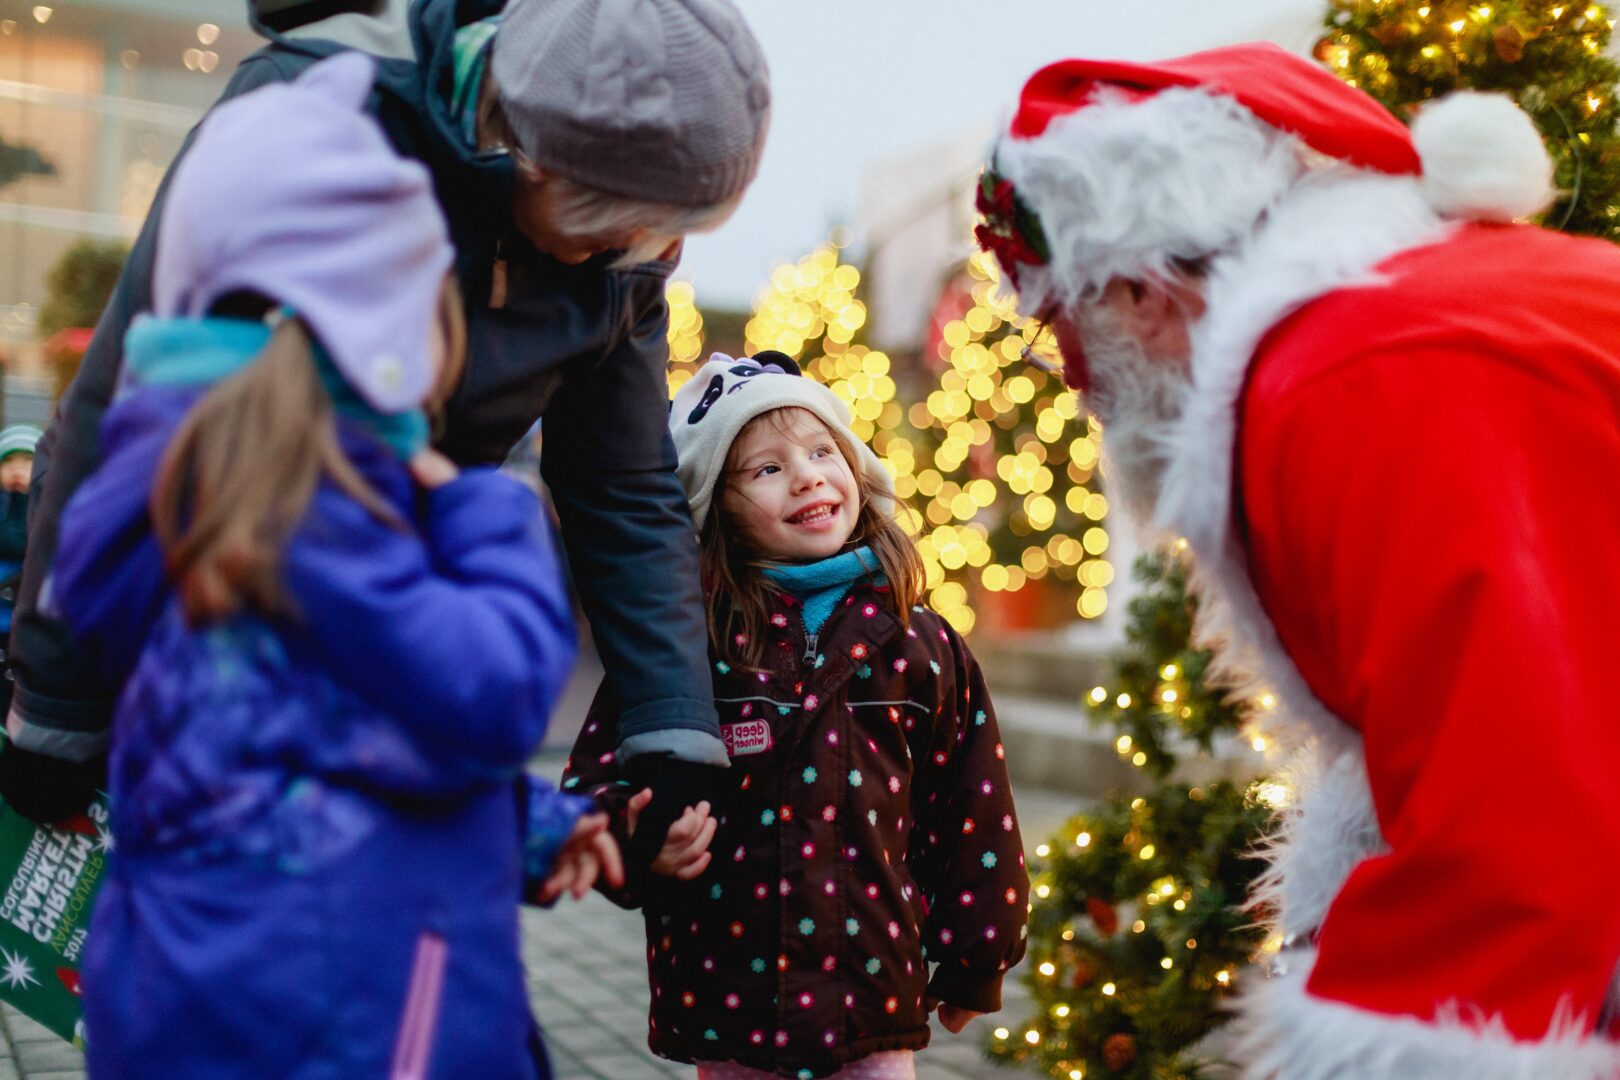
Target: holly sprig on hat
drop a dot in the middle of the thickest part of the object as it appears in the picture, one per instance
(1011, 231)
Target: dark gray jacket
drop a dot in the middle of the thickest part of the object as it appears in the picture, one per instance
(584, 347)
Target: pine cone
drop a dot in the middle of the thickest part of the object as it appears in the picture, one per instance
(1509, 44)
(1118, 1051)
(1389, 34)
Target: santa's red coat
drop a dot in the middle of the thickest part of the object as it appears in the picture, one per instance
(1428, 491)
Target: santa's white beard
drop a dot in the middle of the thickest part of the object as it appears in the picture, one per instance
(1139, 398)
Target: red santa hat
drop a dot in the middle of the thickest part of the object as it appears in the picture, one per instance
(1112, 168)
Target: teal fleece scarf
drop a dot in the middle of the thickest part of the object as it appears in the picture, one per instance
(470, 49)
(200, 352)
(819, 586)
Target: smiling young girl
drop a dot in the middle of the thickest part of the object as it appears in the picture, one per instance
(865, 829)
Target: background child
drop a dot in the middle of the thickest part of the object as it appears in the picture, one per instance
(865, 828)
(16, 469)
(17, 444)
(335, 650)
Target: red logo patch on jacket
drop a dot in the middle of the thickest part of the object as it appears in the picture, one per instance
(748, 737)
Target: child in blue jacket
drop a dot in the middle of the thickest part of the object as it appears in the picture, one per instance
(336, 651)
(17, 444)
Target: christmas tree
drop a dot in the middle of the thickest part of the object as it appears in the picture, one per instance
(1550, 57)
(1137, 935)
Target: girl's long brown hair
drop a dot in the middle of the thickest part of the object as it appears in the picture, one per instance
(239, 472)
(736, 590)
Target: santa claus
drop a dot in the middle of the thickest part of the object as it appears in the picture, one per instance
(1386, 419)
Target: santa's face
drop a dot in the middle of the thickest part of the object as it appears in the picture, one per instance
(1138, 371)
(1158, 315)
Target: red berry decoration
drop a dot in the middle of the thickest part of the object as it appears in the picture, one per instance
(1011, 230)
(1118, 1051)
(1102, 915)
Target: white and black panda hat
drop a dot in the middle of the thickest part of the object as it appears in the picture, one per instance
(726, 393)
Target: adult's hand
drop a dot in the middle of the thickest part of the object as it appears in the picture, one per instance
(685, 853)
(677, 787)
(45, 789)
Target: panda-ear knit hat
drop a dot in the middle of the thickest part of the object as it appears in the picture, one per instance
(711, 410)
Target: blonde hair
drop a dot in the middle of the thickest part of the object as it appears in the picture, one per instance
(588, 211)
(736, 591)
(582, 210)
(239, 472)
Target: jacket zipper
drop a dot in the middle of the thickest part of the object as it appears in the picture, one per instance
(497, 277)
(810, 647)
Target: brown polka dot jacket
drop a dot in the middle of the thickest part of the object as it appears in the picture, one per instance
(867, 831)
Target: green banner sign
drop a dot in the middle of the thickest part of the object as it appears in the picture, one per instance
(50, 876)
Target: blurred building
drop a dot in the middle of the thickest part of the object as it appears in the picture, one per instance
(96, 97)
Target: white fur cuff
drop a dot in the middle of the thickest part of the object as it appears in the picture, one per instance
(1284, 1033)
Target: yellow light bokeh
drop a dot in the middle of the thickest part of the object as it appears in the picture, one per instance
(991, 457)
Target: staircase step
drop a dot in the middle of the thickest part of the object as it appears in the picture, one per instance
(1042, 666)
(1053, 745)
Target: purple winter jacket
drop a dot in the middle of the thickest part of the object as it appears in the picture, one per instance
(317, 845)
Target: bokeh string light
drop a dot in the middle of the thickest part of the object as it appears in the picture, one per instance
(1138, 939)
(685, 334)
(999, 462)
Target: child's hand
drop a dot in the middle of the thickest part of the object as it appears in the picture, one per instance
(953, 1017)
(589, 852)
(685, 853)
(432, 469)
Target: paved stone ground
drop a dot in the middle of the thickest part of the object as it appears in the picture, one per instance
(588, 980)
(29, 1050)
(588, 983)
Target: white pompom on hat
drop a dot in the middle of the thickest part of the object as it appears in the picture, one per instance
(713, 407)
(1483, 159)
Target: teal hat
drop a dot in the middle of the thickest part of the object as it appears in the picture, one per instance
(18, 439)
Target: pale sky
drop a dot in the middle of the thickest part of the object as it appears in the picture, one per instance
(856, 82)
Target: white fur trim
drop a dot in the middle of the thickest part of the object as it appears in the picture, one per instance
(1483, 158)
(1332, 230)
(1123, 187)
(1330, 233)
(1286, 1033)
(1330, 827)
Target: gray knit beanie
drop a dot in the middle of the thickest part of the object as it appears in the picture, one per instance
(661, 100)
